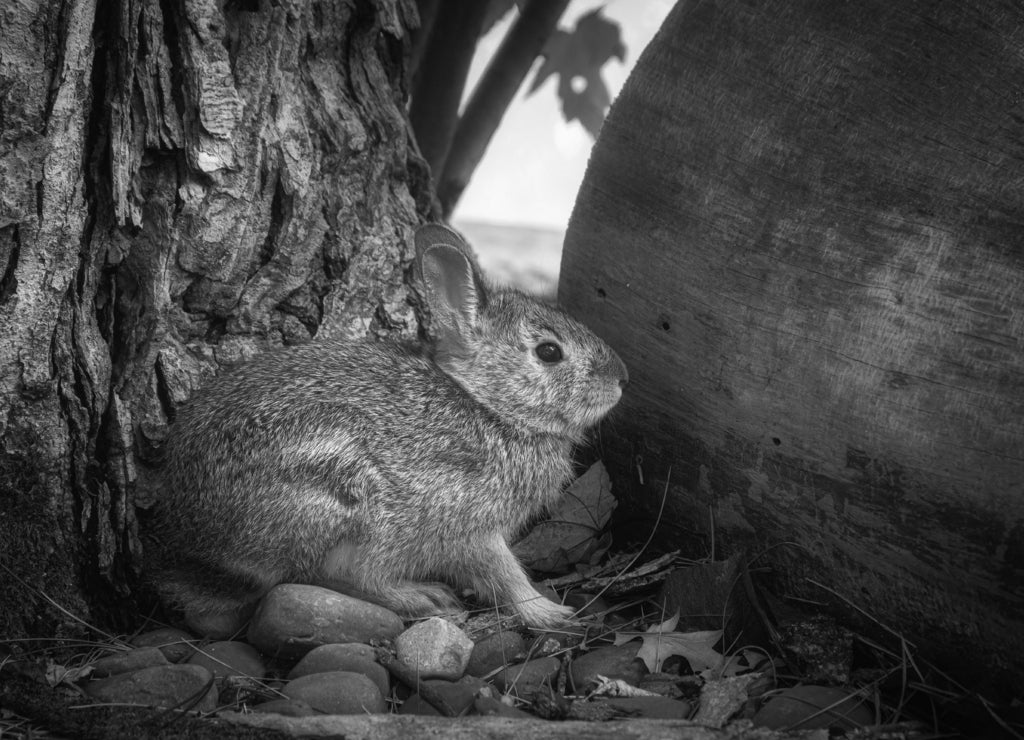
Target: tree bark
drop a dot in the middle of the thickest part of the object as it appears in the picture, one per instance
(184, 184)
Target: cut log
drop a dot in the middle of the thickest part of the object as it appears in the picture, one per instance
(802, 228)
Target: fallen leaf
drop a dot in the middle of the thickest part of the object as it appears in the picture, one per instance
(57, 674)
(660, 643)
(571, 534)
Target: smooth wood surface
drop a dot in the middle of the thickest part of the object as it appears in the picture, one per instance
(802, 229)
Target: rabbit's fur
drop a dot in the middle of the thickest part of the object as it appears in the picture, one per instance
(371, 467)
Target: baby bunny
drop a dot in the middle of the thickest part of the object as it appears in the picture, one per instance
(373, 467)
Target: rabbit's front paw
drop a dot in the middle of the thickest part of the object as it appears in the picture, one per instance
(544, 613)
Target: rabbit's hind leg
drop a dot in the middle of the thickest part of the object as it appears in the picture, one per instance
(345, 570)
(210, 613)
(408, 599)
(412, 599)
(217, 597)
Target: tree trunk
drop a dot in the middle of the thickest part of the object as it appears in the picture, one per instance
(184, 184)
(801, 229)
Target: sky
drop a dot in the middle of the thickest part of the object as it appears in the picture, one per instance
(536, 161)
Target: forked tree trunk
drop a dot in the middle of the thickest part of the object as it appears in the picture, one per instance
(803, 230)
(183, 184)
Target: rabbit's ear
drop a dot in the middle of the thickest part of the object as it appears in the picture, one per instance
(455, 290)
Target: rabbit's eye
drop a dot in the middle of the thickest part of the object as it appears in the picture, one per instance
(549, 352)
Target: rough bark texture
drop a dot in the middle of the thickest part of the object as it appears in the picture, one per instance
(801, 229)
(184, 183)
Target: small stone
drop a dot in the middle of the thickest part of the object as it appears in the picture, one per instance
(614, 662)
(474, 683)
(801, 708)
(416, 704)
(494, 651)
(458, 695)
(337, 692)
(525, 679)
(176, 645)
(435, 648)
(230, 658)
(293, 619)
(160, 686)
(130, 660)
(285, 707)
(550, 643)
(353, 656)
(488, 706)
(651, 707)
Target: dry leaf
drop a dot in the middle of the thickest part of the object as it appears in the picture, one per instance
(571, 534)
(57, 674)
(660, 643)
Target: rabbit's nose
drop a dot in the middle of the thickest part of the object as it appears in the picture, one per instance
(623, 373)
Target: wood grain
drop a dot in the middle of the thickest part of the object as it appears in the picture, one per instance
(803, 230)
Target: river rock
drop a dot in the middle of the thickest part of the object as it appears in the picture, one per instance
(614, 662)
(525, 679)
(490, 706)
(160, 686)
(416, 704)
(230, 658)
(337, 692)
(494, 651)
(435, 648)
(292, 619)
(552, 643)
(355, 657)
(129, 660)
(176, 645)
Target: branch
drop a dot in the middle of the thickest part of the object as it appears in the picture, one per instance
(438, 85)
(491, 98)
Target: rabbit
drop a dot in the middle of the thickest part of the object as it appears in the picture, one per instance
(388, 470)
